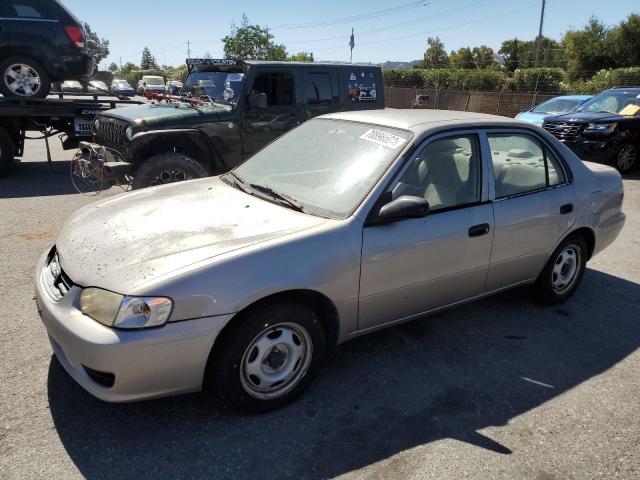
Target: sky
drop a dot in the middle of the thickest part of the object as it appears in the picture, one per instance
(394, 30)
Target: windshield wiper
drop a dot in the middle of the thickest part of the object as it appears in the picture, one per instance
(280, 197)
(238, 182)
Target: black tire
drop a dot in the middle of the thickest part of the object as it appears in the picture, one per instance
(7, 153)
(226, 371)
(627, 157)
(35, 69)
(167, 167)
(549, 282)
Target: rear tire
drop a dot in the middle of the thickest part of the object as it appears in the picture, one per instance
(7, 153)
(23, 77)
(563, 272)
(166, 168)
(269, 358)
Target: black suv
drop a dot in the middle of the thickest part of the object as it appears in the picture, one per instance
(40, 42)
(229, 109)
(605, 128)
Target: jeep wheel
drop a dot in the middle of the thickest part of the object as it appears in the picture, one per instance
(23, 77)
(167, 168)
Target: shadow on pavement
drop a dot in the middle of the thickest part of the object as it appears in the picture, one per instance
(38, 179)
(446, 376)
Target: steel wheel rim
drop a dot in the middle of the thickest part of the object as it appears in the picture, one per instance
(276, 360)
(566, 268)
(22, 80)
(627, 157)
(170, 176)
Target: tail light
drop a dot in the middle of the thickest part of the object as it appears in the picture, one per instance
(76, 35)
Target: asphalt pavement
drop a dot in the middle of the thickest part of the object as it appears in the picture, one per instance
(501, 388)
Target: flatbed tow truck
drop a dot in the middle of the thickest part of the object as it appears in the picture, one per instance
(68, 116)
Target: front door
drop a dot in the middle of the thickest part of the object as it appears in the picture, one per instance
(261, 126)
(534, 207)
(417, 265)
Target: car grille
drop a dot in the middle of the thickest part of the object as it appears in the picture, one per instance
(564, 130)
(110, 133)
(55, 281)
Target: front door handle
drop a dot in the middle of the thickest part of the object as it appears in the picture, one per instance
(566, 208)
(479, 230)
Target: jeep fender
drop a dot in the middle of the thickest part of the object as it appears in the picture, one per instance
(189, 141)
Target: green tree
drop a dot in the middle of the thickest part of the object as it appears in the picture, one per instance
(98, 47)
(252, 41)
(483, 56)
(510, 51)
(113, 67)
(588, 50)
(624, 42)
(463, 58)
(148, 61)
(435, 56)
(301, 57)
(522, 54)
(128, 68)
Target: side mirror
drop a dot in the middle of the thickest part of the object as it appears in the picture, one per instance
(405, 206)
(257, 100)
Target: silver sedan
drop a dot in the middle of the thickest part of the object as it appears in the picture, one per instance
(350, 223)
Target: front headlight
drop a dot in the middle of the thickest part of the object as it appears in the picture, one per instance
(600, 127)
(129, 132)
(114, 310)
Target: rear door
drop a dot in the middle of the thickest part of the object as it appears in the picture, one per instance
(320, 92)
(534, 206)
(261, 126)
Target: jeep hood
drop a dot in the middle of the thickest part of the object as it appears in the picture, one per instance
(126, 241)
(155, 115)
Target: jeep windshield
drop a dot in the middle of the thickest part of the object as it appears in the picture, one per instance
(222, 87)
(623, 102)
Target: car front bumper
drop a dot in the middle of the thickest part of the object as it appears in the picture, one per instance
(144, 364)
(601, 151)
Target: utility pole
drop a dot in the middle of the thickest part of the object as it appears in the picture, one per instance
(539, 34)
(188, 49)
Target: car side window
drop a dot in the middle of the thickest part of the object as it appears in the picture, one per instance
(521, 164)
(446, 173)
(25, 9)
(278, 86)
(318, 88)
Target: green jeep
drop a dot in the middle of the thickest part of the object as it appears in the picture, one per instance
(227, 111)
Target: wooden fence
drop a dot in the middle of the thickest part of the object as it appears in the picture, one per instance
(507, 104)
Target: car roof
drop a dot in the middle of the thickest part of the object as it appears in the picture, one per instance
(419, 120)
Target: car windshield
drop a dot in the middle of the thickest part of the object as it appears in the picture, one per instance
(557, 105)
(121, 83)
(221, 86)
(155, 80)
(327, 166)
(625, 102)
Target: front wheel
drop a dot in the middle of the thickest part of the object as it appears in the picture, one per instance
(563, 272)
(270, 357)
(167, 168)
(627, 158)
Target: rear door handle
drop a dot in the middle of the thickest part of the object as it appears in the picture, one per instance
(566, 208)
(479, 230)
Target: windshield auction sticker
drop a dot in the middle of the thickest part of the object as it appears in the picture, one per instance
(382, 138)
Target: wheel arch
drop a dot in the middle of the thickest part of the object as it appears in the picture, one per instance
(588, 236)
(319, 302)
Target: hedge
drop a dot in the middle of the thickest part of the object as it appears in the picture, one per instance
(446, 78)
(544, 79)
(615, 77)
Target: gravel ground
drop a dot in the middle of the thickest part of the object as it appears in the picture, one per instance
(502, 388)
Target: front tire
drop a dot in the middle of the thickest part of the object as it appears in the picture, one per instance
(563, 272)
(23, 77)
(269, 358)
(166, 168)
(627, 158)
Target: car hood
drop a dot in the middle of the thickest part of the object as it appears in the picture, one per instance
(126, 241)
(585, 117)
(156, 115)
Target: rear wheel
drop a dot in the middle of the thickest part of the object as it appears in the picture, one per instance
(167, 168)
(7, 153)
(23, 77)
(627, 158)
(564, 270)
(269, 358)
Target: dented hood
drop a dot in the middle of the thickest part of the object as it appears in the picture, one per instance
(126, 241)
